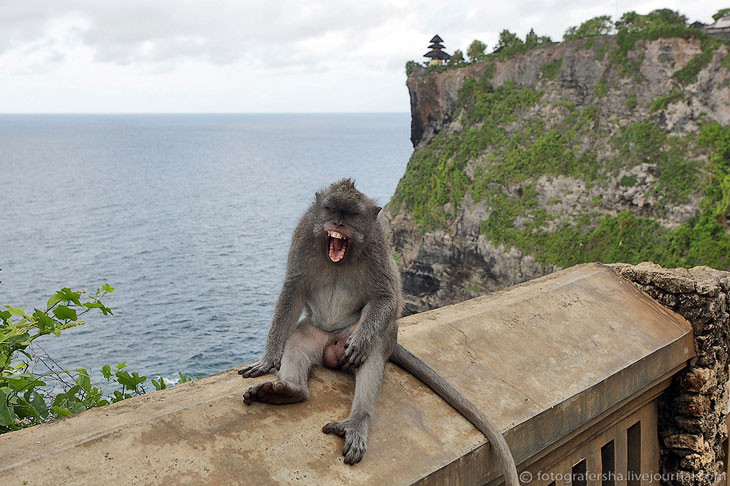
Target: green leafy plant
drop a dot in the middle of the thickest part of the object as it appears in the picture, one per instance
(411, 66)
(601, 89)
(476, 49)
(456, 59)
(551, 70)
(631, 102)
(21, 400)
(29, 397)
(663, 102)
(590, 28)
(721, 13)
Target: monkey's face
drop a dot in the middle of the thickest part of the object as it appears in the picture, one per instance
(342, 229)
(345, 217)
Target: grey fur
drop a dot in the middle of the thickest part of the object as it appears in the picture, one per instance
(360, 295)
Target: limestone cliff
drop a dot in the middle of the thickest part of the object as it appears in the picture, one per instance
(579, 151)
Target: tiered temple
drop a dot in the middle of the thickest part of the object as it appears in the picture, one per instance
(436, 54)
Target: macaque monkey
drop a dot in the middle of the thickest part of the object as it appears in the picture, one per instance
(340, 273)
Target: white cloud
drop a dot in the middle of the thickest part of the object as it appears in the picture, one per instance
(253, 55)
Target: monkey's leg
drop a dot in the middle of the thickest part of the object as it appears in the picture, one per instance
(354, 429)
(303, 350)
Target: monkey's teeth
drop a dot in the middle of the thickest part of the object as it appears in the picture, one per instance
(335, 234)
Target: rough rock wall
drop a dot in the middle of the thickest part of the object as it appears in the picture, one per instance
(692, 411)
(456, 261)
(434, 95)
(434, 99)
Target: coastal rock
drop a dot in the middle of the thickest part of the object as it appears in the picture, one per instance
(455, 261)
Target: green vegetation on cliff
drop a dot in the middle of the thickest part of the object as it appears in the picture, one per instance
(506, 149)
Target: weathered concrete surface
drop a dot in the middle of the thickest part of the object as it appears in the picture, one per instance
(541, 359)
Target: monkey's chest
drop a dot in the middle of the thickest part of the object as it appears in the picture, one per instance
(334, 306)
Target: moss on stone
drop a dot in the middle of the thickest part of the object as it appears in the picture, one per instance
(551, 70)
(600, 89)
(663, 102)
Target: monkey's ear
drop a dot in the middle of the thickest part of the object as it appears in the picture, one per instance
(375, 211)
(317, 197)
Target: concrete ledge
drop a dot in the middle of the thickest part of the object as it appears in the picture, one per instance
(542, 359)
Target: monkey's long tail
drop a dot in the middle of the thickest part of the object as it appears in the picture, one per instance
(412, 364)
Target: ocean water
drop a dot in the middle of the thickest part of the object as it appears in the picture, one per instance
(187, 216)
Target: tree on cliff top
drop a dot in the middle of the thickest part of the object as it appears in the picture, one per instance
(601, 25)
(632, 22)
(476, 50)
(721, 13)
(456, 58)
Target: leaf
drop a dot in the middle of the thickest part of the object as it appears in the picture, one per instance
(84, 380)
(38, 402)
(68, 325)
(71, 393)
(22, 381)
(159, 384)
(68, 295)
(16, 311)
(46, 322)
(7, 415)
(121, 365)
(106, 371)
(55, 299)
(98, 305)
(61, 411)
(130, 381)
(76, 407)
(107, 288)
(63, 312)
(5, 315)
(24, 409)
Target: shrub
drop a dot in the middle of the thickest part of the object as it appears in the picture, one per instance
(28, 397)
(590, 28)
(476, 49)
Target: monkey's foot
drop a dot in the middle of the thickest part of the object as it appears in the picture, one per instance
(258, 368)
(274, 392)
(356, 438)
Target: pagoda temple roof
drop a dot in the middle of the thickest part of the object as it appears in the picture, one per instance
(437, 54)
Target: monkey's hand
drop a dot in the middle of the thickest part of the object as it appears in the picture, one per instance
(261, 367)
(357, 350)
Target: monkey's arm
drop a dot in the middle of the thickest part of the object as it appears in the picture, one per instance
(403, 358)
(289, 307)
(374, 319)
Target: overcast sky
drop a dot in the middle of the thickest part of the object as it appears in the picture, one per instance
(141, 56)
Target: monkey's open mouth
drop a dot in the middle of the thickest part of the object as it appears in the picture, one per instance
(337, 245)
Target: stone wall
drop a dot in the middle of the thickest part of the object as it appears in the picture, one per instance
(692, 411)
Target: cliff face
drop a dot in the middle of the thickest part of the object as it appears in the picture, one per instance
(567, 153)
